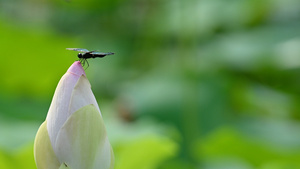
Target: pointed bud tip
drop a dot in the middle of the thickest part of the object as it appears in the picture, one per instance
(76, 69)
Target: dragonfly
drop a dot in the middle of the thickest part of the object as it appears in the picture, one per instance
(86, 54)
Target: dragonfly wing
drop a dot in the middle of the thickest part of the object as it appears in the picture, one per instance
(101, 53)
(78, 49)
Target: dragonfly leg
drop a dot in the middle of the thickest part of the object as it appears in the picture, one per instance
(87, 63)
(82, 61)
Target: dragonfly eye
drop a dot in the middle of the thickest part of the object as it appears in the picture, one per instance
(79, 55)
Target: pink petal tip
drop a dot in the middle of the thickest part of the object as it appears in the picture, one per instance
(76, 69)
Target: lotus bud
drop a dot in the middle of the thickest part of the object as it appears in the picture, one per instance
(73, 136)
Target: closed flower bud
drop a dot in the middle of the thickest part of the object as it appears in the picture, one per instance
(73, 135)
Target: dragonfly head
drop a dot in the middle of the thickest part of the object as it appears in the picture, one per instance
(79, 55)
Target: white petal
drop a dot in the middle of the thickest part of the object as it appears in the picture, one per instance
(59, 109)
(82, 95)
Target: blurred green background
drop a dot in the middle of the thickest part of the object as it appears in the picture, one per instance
(194, 84)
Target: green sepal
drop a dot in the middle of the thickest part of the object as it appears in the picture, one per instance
(43, 152)
(82, 142)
